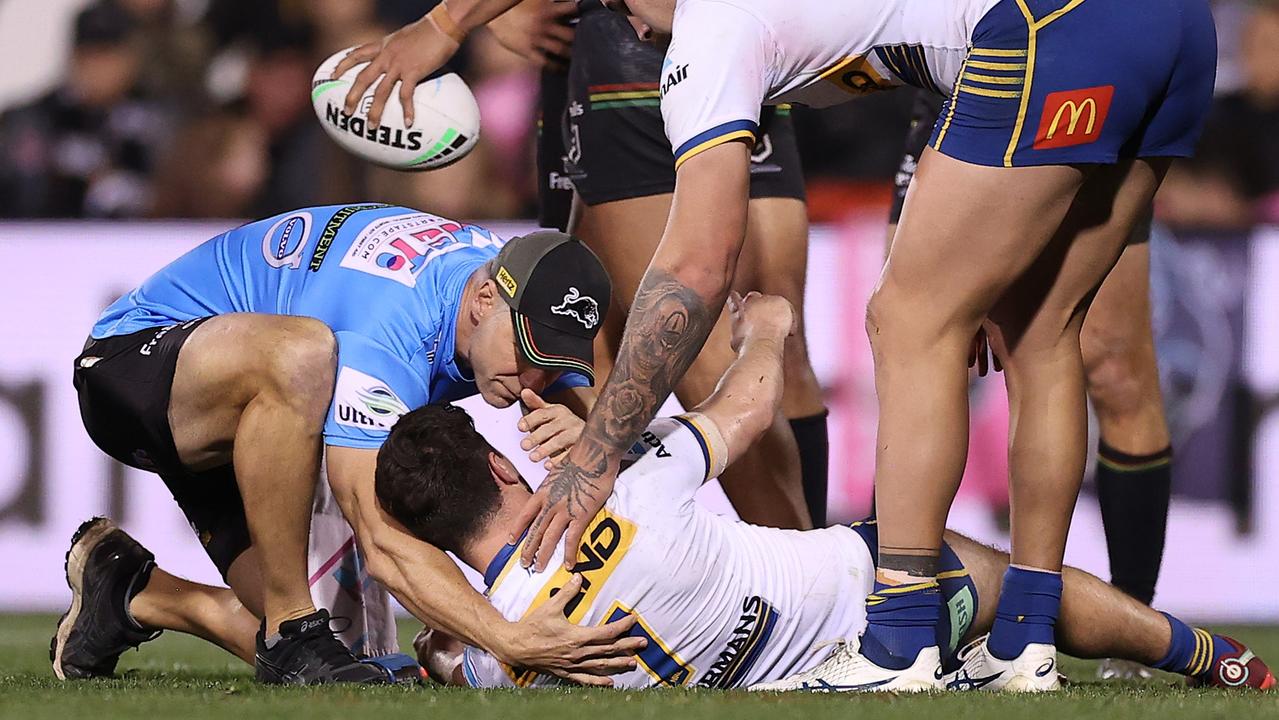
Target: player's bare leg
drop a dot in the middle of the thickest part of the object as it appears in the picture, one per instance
(1133, 470)
(1035, 331)
(1099, 620)
(211, 613)
(953, 256)
(774, 261)
(764, 485)
(253, 390)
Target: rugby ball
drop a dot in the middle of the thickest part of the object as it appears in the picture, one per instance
(446, 122)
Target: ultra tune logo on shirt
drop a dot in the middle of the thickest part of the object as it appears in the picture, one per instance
(399, 247)
(363, 401)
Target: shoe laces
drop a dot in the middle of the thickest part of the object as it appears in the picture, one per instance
(328, 647)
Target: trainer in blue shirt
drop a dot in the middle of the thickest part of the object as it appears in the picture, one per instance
(228, 371)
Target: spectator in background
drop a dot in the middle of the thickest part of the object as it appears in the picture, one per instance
(1233, 180)
(218, 168)
(88, 147)
(175, 50)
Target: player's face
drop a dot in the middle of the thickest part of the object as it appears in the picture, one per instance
(500, 372)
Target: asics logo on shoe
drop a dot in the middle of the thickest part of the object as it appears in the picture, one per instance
(1046, 668)
(964, 681)
(308, 625)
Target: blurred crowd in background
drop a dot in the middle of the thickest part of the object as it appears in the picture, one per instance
(200, 109)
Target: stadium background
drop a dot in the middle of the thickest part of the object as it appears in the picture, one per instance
(146, 126)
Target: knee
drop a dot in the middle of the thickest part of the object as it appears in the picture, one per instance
(1114, 372)
(891, 322)
(302, 362)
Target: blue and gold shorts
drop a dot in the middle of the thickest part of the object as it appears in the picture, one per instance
(1057, 82)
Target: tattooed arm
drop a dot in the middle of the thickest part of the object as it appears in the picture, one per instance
(675, 308)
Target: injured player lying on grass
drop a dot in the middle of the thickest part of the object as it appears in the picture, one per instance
(723, 603)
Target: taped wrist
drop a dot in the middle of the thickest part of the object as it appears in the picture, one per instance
(718, 448)
(445, 23)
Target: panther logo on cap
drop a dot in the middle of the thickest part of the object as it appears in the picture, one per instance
(583, 308)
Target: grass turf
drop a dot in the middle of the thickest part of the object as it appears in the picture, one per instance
(178, 676)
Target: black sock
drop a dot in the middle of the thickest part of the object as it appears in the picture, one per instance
(1133, 491)
(814, 463)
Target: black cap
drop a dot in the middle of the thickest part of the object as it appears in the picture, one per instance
(558, 292)
(104, 23)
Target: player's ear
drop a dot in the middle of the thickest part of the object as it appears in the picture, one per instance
(503, 472)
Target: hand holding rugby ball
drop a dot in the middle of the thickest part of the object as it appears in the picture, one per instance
(446, 121)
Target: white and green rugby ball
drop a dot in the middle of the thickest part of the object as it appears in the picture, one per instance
(446, 122)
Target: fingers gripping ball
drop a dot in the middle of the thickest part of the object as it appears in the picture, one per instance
(445, 127)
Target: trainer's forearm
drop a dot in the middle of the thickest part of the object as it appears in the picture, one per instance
(432, 588)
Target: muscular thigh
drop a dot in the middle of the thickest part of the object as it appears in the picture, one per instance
(1058, 288)
(968, 231)
(226, 363)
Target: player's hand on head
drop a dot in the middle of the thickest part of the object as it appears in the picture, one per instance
(546, 641)
(551, 429)
(565, 503)
(760, 316)
(402, 59)
(538, 31)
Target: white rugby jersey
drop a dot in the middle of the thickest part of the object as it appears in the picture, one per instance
(728, 57)
(722, 603)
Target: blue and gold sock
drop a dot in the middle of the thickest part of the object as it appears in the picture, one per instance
(901, 620)
(1029, 602)
(1191, 651)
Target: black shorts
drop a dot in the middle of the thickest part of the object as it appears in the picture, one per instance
(612, 143)
(124, 384)
(923, 115)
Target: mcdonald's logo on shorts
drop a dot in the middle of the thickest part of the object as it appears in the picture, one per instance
(1073, 117)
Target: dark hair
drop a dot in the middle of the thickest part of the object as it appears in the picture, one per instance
(433, 476)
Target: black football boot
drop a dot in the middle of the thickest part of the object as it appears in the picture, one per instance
(306, 652)
(105, 568)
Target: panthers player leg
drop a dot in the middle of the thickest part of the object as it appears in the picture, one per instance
(1133, 467)
(241, 403)
(775, 262)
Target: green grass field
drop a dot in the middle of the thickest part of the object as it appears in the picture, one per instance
(180, 677)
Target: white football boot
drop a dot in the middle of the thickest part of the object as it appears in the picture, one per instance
(847, 670)
(1035, 670)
